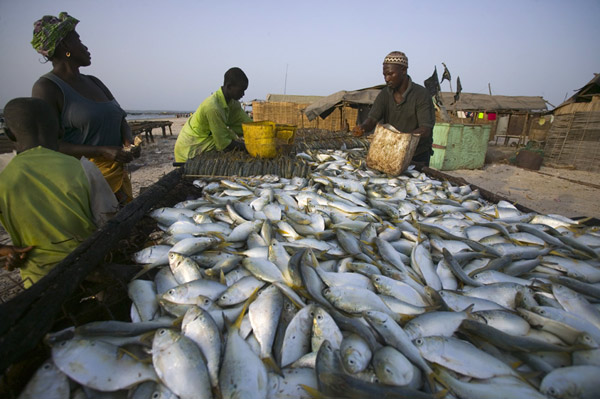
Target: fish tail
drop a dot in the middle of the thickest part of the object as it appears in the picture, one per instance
(144, 270)
(251, 299)
(313, 392)
(271, 364)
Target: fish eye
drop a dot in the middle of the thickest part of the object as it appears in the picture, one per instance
(319, 317)
(552, 391)
(351, 361)
(171, 291)
(155, 395)
(47, 366)
(162, 331)
(419, 341)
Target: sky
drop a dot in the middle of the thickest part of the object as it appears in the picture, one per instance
(171, 55)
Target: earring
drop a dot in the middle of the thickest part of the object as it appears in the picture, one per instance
(68, 54)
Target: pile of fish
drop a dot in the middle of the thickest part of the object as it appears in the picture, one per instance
(346, 284)
(240, 163)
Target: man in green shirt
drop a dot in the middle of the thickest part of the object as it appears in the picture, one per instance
(404, 104)
(44, 194)
(217, 123)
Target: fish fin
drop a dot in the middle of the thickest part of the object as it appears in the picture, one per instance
(251, 299)
(431, 308)
(529, 375)
(272, 365)
(122, 351)
(437, 375)
(222, 279)
(177, 322)
(224, 243)
(430, 378)
(516, 364)
(148, 336)
(145, 269)
(556, 253)
(313, 392)
(469, 311)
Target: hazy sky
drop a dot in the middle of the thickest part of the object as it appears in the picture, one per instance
(170, 55)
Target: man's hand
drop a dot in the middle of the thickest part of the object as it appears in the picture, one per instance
(358, 131)
(236, 145)
(13, 256)
(117, 154)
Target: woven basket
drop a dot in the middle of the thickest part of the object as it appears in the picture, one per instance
(391, 151)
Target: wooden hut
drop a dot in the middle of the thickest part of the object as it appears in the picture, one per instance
(574, 137)
(513, 118)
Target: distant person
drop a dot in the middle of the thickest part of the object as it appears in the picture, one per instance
(217, 123)
(404, 104)
(93, 121)
(45, 197)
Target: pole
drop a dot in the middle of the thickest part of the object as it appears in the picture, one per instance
(490, 88)
(285, 84)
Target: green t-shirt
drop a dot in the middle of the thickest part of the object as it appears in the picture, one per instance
(213, 126)
(45, 202)
(415, 110)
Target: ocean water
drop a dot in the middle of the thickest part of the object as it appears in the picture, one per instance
(141, 115)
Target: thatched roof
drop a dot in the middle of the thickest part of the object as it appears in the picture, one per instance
(289, 98)
(585, 94)
(466, 102)
(326, 105)
(485, 102)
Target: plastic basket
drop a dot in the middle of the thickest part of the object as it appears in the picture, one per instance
(391, 151)
(267, 139)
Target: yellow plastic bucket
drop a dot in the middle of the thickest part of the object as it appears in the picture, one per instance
(267, 139)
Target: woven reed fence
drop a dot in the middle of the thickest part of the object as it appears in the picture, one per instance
(574, 140)
(290, 113)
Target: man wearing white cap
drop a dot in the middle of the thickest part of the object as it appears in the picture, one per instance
(404, 104)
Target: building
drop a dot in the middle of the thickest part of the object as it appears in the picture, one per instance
(574, 137)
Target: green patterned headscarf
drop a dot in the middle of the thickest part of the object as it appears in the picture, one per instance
(50, 30)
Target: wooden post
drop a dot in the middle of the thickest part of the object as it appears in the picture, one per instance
(525, 131)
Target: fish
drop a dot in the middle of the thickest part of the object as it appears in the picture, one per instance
(242, 374)
(180, 365)
(100, 365)
(360, 276)
(47, 382)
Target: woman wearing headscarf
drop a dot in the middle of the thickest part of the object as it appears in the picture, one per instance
(93, 121)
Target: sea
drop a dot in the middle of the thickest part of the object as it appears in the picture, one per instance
(142, 115)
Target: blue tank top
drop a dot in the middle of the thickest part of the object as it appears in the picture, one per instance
(86, 121)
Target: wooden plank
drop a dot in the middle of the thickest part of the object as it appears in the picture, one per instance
(27, 317)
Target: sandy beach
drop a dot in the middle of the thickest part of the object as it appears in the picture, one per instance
(157, 157)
